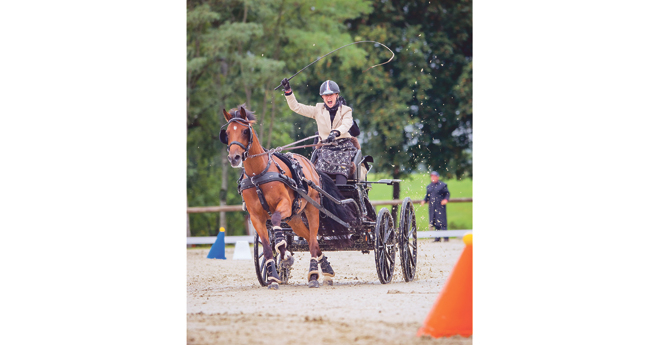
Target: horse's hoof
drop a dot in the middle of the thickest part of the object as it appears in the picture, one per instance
(328, 282)
(313, 283)
(288, 262)
(273, 286)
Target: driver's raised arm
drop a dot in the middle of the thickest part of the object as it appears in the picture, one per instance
(302, 109)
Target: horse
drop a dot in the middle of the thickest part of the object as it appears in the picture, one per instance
(245, 149)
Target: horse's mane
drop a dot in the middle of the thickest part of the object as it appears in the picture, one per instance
(236, 112)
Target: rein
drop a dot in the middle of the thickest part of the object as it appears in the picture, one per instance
(246, 155)
(287, 148)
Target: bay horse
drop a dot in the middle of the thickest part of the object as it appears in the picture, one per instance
(245, 149)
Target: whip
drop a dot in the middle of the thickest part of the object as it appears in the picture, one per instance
(344, 46)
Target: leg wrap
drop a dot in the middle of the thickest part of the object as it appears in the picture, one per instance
(287, 260)
(325, 266)
(271, 271)
(313, 268)
(278, 234)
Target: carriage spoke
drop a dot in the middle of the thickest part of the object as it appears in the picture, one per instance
(386, 237)
(389, 258)
(382, 264)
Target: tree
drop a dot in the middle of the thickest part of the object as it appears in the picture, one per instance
(415, 112)
(237, 52)
(431, 76)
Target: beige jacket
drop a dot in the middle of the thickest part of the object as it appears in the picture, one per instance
(343, 119)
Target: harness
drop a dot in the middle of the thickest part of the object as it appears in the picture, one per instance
(296, 183)
(299, 183)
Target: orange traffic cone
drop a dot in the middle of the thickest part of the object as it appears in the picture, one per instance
(452, 312)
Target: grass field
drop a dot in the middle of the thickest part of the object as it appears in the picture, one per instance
(459, 215)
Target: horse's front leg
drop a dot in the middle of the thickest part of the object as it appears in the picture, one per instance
(259, 224)
(312, 214)
(283, 210)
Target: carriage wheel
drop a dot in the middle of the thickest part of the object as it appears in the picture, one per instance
(385, 246)
(408, 240)
(259, 261)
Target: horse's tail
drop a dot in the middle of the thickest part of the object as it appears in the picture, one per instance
(339, 236)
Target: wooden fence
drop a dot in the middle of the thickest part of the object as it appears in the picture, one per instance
(233, 208)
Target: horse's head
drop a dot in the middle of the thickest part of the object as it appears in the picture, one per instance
(238, 135)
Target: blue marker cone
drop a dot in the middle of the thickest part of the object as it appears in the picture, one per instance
(218, 248)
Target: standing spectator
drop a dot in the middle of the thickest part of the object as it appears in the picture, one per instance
(437, 195)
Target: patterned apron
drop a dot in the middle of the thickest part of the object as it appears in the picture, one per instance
(338, 159)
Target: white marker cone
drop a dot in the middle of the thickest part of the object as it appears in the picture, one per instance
(242, 251)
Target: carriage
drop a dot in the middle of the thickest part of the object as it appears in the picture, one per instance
(296, 208)
(377, 232)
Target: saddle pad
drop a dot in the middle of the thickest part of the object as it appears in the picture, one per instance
(289, 164)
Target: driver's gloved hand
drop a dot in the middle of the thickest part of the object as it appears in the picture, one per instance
(285, 85)
(333, 136)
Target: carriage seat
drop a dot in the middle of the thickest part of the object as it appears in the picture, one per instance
(360, 167)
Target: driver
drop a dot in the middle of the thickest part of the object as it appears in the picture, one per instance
(334, 120)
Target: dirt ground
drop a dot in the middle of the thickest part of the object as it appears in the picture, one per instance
(226, 303)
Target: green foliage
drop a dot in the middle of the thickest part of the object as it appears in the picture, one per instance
(423, 104)
(415, 112)
(237, 52)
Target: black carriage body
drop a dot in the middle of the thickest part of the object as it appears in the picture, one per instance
(373, 231)
(361, 234)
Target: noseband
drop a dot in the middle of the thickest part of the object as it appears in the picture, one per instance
(224, 138)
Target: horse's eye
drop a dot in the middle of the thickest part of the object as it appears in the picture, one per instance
(246, 131)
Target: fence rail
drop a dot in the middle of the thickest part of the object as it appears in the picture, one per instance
(233, 239)
(233, 208)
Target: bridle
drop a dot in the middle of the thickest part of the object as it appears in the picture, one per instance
(225, 139)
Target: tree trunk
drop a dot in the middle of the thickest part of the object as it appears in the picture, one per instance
(222, 216)
(223, 195)
(248, 95)
(263, 114)
(276, 55)
(248, 90)
(187, 221)
(187, 214)
(272, 119)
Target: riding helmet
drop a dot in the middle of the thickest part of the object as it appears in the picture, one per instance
(328, 88)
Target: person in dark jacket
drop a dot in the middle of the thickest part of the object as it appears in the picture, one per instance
(437, 195)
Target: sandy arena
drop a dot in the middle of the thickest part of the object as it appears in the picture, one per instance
(226, 304)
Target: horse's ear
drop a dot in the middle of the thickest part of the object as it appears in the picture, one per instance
(244, 114)
(227, 116)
